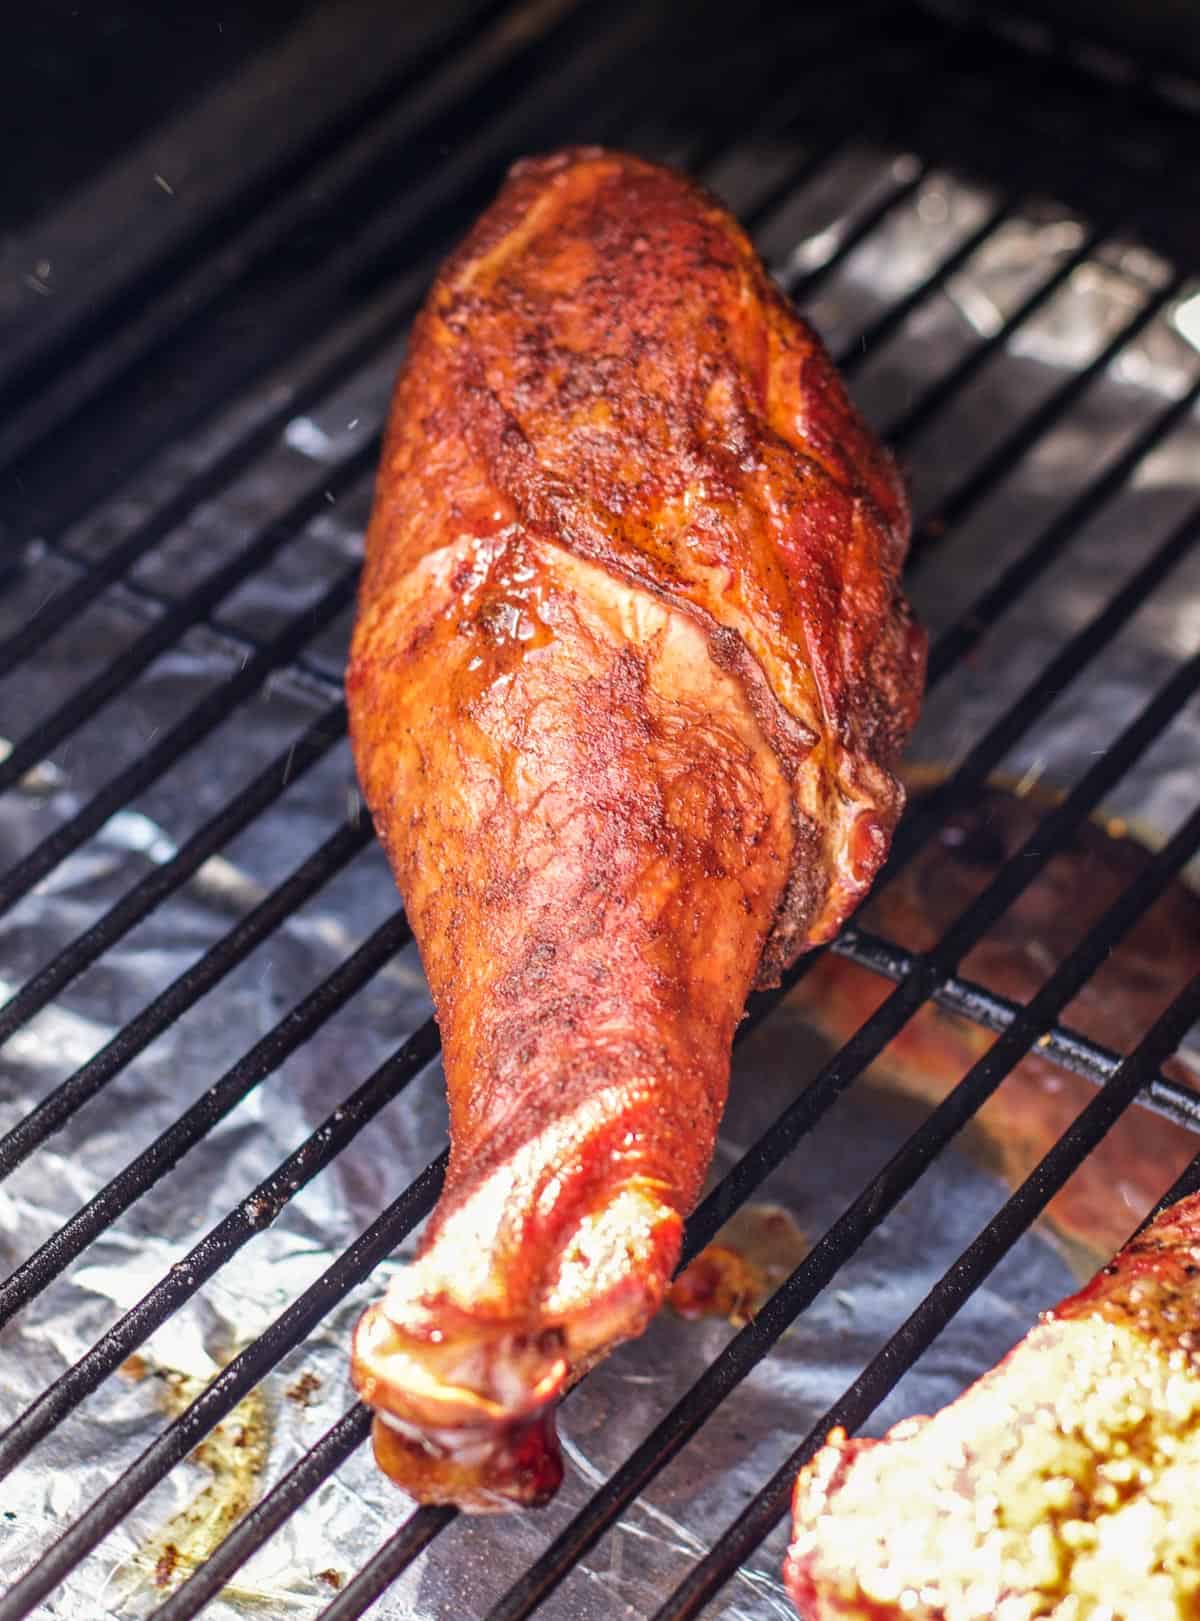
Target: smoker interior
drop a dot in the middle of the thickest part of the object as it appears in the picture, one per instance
(178, 461)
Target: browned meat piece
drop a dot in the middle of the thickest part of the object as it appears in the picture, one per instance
(629, 680)
(750, 1257)
(1125, 1175)
(1065, 1484)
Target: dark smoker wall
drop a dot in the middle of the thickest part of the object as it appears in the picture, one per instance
(1164, 30)
(80, 83)
(81, 80)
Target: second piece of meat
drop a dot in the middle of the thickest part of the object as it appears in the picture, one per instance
(1064, 1485)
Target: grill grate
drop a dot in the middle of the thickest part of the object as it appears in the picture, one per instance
(228, 306)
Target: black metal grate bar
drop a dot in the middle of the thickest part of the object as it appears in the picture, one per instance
(266, 1055)
(1184, 1185)
(885, 325)
(413, 1537)
(192, 610)
(199, 721)
(99, 573)
(231, 639)
(259, 1524)
(970, 1000)
(915, 418)
(1015, 446)
(312, 745)
(947, 1297)
(1065, 667)
(819, 156)
(183, 993)
(372, 1246)
(800, 285)
(1027, 170)
(223, 1241)
(956, 642)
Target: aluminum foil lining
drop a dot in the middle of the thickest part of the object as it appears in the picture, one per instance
(633, 1568)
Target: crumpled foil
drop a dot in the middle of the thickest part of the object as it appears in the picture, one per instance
(465, 1569)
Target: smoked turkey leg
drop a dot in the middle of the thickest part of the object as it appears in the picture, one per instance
(630, 676)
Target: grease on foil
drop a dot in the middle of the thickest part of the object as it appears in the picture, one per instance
(464, 1571)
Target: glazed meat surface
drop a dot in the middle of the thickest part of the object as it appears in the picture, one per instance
(1065, 1484)
(1123, 1177)
(629, 680)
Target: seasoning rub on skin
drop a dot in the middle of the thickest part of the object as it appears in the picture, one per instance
(628, 688)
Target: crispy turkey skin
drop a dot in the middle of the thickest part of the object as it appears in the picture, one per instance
(1065, 1484)
(628, 685)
